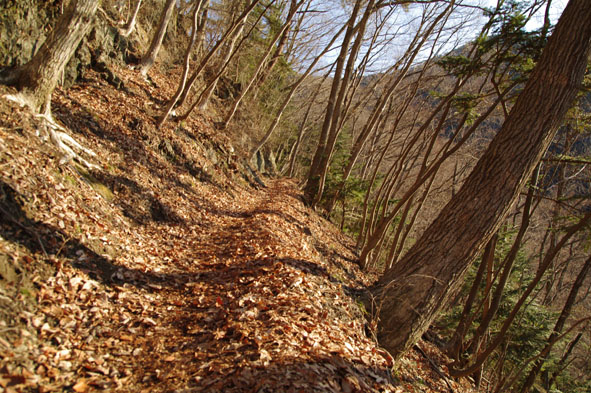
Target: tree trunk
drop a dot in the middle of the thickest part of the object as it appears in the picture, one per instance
(313, 179)
(456, 344)
(365, 204)
(37, 79)
(500, 335)
(150, 57)
(411, 294)
(296, 146)
(186, 63)
(261, 64)
(130, 25)
(426, 172)
(490, 305)
(201, 28)
(318, 178)
(559, 366)
(205, 96)
(385, 98)
(408, 227)
(264, 74)
(232, 34)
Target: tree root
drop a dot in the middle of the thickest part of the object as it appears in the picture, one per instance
(57, 134)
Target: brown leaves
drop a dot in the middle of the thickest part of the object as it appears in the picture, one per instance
(226, 292)
(81, 386)
(8, 380)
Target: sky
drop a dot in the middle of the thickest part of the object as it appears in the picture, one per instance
(471, 20)
(555, 11)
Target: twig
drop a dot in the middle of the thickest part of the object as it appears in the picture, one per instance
(112, 21)
(64, 242)
(3, 297)
(435, 367)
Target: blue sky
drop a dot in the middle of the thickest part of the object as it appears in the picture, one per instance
(555, 11)
(403, 27)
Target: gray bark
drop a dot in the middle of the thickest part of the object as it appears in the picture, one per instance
(150, 57)
(130, 25)
(37, 79)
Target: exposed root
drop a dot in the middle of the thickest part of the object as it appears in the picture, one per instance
(50, 129)
(17, 99)
(65, 143)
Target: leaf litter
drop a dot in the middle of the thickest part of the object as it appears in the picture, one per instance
(168, 269)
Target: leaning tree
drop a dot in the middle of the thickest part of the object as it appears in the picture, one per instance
(410, 294)
(36, 80)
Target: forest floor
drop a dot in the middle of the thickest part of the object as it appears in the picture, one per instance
(170, 268)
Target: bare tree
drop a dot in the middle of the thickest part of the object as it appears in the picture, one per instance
(183, 81)
(295, 5)
(559, 326)
(130, 24)
(411, 294)
(149, 57)
(229, 38)
(293, 89)
(406, 61)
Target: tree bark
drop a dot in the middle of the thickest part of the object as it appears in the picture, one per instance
(411, 294)
(37, 79)
(313, 179)
(150, 57)
(186, 63)
(130, 25)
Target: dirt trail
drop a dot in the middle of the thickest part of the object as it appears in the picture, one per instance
(253, 309)
(165, 271)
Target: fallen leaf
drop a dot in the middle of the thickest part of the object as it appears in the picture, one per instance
(81, 386)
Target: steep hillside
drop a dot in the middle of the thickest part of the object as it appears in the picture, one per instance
(171, 266)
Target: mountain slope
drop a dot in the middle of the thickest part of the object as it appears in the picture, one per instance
(170, 267)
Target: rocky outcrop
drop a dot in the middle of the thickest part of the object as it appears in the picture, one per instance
(25, 24)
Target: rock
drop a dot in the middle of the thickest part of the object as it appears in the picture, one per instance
(18, 44)
(102, 46)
